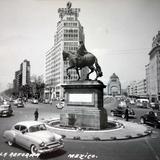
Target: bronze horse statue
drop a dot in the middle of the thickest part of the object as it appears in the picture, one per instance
(77, 63)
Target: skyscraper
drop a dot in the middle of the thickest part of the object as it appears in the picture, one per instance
(69, 33)
(25, 70)
(22, 76)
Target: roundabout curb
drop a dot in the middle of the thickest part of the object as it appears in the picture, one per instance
(126, 131)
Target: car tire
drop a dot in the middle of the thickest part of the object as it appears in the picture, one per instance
(10, 143)
(33, 149)
(142, 120)
(112, 113)
(123, 116)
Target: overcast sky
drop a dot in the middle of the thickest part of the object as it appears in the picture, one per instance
(118, 32)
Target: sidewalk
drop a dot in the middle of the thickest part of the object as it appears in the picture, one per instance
(128, 130)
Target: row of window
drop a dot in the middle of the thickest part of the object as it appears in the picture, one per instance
(70, 48)
(70, 35)
(70, 24)
(70, 31)
(72, 77)
(71, 39)
(70, 43)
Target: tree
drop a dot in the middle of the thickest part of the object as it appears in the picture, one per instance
(37, 86)
(25, 91)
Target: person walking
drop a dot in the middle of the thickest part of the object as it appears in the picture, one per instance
(36, 114)
(126, 114)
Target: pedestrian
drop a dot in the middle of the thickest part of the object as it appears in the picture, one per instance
(36, 114)
(126, 114)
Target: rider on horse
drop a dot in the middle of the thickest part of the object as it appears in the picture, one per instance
(81, 51)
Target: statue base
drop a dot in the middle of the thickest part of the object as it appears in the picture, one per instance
(84, 105)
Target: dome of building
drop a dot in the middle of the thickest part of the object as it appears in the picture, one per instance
(114, 76)
(114, 85)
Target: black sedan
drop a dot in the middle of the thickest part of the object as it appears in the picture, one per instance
(152, 118)
(120, 111)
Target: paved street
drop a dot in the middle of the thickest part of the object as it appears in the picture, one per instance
(147, 148)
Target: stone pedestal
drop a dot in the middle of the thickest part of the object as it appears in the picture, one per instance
(84, 105)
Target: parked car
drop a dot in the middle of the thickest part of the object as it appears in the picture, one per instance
(60, 105)
(120, 111)
(20, 104)
(132, 101)
(152, 118)
(122, 104)
(5, 102)
(16, 101)
(34, 101)
(154, 105)
(33, 136)
(6, 110)
(46, 101)
(142, 103)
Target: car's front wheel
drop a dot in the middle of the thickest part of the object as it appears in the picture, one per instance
(33, 149)
(10, 143)
(142, 121)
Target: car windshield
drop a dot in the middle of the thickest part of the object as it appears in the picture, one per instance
(36, 128)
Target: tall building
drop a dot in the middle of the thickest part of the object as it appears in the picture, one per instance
(153, 70)
(22, 76)
(142, 88)
(114, 85)
(69, 33)
(137, 89)
(132, 89)
(17, 82)
(25, 71)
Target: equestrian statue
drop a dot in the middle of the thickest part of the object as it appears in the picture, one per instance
(82, 58)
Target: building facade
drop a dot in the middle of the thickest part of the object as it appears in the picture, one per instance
(25, 71)
(142, 88)
(114, 85)
(69, 33)
(153, 70)
(17, 82)
(132, 89)
(22, 77)
(137, 89)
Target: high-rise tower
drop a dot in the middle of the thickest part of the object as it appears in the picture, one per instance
(25, 70)
(69, 33)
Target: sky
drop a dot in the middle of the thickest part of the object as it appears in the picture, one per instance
(118, 32)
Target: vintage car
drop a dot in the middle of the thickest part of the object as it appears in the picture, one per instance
(152, 118)
(33, 136)
(154, 105)
(20, 104)
(46, 101)
(122, 104)
(60, 104)
(142, 103)
(34, 101)
(120, 111)
(6, 110)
